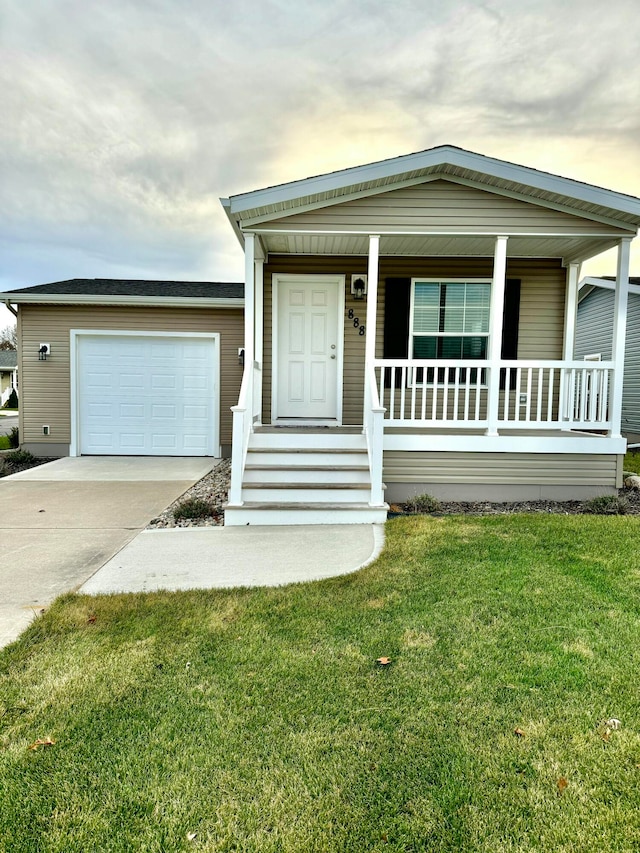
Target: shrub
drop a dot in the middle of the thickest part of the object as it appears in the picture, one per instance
(19, 457)
(12, 402)
(606, 505)
(14, 437)
(422, 503)
(194, 508)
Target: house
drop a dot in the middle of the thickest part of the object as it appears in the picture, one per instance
(406, 326)
(594, 340)
(8, 374)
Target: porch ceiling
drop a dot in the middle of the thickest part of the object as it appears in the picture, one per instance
(569, 248)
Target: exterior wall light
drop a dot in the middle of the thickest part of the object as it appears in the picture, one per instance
(43, 352)
(359, 287)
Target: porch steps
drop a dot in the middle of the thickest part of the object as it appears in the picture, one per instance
(306, 477)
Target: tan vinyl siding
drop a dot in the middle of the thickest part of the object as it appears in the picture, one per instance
(439, 207)
(45, 387)
(541, 308)
(575, 469)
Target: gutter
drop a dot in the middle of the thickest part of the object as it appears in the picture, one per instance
(93, 299)
(10, 307)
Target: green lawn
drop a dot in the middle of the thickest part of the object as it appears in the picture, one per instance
(632, 461)
(4, 442)
(260, 720)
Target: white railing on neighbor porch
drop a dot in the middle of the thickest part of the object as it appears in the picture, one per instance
(532, 394)
(245, 414)
(5, 395)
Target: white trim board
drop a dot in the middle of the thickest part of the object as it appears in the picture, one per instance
(505, 443)
(408, 166)
(605, 283)
(75, 334)
(91, 299)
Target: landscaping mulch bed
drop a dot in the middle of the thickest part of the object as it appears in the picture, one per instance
(510, 507)
(214, 487)
(7, 466)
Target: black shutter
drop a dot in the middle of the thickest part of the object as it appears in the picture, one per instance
(510, 327)
(397, 299)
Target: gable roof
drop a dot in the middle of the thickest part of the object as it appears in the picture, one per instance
(131, 292)
(606, 282)
(8, 359)
(444, 161)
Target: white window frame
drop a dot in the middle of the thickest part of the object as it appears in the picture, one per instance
(440, 280)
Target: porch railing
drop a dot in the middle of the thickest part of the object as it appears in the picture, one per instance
(532, 394)
(245, 414)
(374, 433)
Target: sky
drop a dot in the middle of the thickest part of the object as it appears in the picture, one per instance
(123, 123)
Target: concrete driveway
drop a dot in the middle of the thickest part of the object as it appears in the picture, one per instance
(60, 522)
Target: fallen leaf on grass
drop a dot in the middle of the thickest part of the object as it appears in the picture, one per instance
(42, 741)
(383, 661)
(191, 836)
(562, 785)
(518, 732)
(91, 620)
(613, 724)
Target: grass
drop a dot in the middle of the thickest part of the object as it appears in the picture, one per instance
(259, 719)
(4, 442)
(632, 461)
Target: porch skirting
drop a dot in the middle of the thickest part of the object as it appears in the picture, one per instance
(477, 476)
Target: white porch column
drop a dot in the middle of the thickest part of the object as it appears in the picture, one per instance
(619, 334)
(372, 299)
(259, 337)
(570, 309)
(495, 332)
(249, 297)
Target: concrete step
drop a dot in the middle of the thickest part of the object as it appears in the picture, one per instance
(306, 492)
(305, 474)
(254, 512)
(328, 439)
(308, 456)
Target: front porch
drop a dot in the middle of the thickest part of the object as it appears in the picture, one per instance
(464, 344)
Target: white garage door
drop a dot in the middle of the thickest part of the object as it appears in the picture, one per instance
(147, 395)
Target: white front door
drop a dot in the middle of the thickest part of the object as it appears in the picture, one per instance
(308, 357)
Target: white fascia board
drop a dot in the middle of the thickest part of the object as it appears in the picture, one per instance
(93, 299)
(591, 281)
(226, 204)
(441, 156)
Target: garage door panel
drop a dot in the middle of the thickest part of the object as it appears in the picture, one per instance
(146, 395)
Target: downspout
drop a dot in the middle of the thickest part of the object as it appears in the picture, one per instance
(10, 307)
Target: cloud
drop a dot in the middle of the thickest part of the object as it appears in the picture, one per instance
(124, 122)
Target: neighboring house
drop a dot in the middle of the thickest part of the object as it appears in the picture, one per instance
(410, 322)
(594, 339)
(8, 374)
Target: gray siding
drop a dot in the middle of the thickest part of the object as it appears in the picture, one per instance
(594, 334)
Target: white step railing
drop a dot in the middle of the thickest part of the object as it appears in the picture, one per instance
(532, 394)
(374, 433)
(245, 414)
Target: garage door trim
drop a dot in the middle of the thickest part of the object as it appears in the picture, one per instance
(76, 334)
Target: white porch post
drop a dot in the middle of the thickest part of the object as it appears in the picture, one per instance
(495, 332)
(570, 309)
(249, 297)
(259, 337)
(372, 308)
(372, 299)
(619, 334)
